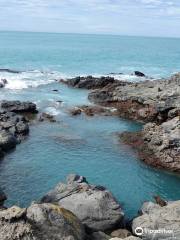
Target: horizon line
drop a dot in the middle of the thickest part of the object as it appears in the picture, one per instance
(79, 33)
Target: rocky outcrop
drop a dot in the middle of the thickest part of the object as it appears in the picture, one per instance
(94, 205)
(144, 101)
(158, 145)
(13, 127)
(139, 74)
(159, 223)
(40, 222)
(90, 82)
(128, 238)
(19, 107)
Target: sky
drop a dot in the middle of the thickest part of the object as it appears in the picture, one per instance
(122, 17)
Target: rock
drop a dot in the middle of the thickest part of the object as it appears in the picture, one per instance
(141, 101)
(40, 222)
(139, 74)
(47, 116)
(3, 82)
(22, 128)
(165, 219)
(89, 82)
(158, 145)
(91, 110)
(19, 107)
(7, 141)
(161, 202)
(3, 197)
(94, 205)
(75, 111)
(121, 233)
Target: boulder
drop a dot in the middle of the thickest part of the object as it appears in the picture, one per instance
(3, 82)
(7, 140)
(19, 107)
(40, 222)
(94, 205)
(139, 74)
(159, 223)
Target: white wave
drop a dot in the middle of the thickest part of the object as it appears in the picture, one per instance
(27, 79)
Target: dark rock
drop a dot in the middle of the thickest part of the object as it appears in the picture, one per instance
(89, 82)
(19, 107)
(7, 140)
(22, 128)
(96, 208)
(139, 74)
(2, 198)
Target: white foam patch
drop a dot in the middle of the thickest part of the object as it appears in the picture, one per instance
(52, 111)
(30, 79)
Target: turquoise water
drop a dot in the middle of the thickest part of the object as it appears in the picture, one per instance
(85, 145)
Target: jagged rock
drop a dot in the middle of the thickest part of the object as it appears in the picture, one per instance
(165, 219)
(95, 206)
(19, 107)
(40, 222)
(141, 101)
(158, 145)
(89, 82)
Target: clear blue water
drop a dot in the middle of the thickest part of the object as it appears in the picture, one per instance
(87, 146)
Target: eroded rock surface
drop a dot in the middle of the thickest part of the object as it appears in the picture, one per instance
(40, 222)
(154, 218)
(94, 205)
(90, 82)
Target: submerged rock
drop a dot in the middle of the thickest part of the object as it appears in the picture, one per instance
(19, 107)
(3, 82)
(159, 222)
(94, 205)
(40, 222)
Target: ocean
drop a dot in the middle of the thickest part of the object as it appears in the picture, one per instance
(87, 146)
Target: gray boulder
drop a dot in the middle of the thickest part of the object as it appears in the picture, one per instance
(159, 223)
(40, 222)
(94, 205)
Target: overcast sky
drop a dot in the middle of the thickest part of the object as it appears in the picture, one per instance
(124, 17)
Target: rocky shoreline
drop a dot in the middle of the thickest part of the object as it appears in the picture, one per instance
(78, 210)
(153, 102)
